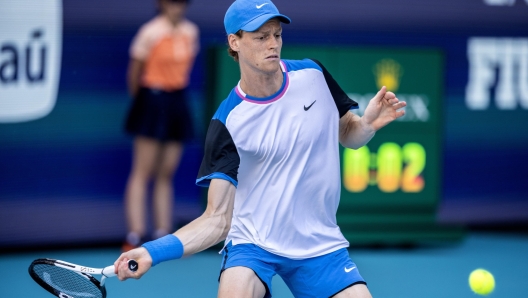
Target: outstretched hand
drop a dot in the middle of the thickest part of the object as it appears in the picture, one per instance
(382, 109)
(141, 256)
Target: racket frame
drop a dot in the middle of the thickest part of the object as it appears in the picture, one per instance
(86, 272)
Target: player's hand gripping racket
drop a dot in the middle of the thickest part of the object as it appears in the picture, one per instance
(67, 280)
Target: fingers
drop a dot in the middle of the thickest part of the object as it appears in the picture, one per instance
(390, 98)
(141, 256)
(381, 94)
(121, 267)
(118, 262)
(387, 96)
(121, 274)
(124, 272)
(392, 101)
(398, 107)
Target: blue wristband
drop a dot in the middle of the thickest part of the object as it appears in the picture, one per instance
(165, 248)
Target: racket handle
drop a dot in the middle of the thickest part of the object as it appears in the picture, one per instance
(109, 271)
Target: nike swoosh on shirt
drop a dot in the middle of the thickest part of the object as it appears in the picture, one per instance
(306, 108)
(349, 269)
(260, 6)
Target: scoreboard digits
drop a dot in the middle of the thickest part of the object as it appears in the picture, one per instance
(392, 168)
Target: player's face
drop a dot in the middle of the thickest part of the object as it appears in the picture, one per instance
(173, 9)
(261, 49)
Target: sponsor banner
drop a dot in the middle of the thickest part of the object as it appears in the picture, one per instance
(498, 69)
(30, 58)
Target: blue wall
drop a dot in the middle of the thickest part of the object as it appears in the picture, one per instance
(79, 153)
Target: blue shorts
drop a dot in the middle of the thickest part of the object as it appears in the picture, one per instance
(322, 276)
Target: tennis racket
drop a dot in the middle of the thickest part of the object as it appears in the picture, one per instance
(67, 280)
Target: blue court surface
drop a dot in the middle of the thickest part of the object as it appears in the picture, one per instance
(426, 272)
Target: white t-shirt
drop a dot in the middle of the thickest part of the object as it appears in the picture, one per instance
(282, 154)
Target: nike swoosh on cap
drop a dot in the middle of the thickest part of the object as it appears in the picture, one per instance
(260, 6)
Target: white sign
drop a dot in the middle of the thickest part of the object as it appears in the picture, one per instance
(30, 58)
(499, 63)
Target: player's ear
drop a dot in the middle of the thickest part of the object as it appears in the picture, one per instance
(233, 41)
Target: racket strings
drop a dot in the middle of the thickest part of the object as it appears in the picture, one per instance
(68, 282)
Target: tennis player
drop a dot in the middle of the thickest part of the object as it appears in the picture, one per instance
(271, 162)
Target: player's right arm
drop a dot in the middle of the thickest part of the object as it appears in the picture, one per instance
(212, 226)
(205, 231)
(219, 172)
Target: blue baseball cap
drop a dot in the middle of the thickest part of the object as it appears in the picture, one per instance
(249, 15)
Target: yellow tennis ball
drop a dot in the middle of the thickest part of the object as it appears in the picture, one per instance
(481, 282)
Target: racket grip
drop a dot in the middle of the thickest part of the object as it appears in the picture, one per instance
(109, 271)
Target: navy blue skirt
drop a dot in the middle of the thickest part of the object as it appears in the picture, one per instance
(161, 115)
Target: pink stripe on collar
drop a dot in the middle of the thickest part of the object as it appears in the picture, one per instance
(242, 95)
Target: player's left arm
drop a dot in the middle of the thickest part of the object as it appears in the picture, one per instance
(383, 108)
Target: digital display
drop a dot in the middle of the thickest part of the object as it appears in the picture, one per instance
(399, 169)
(391, 169)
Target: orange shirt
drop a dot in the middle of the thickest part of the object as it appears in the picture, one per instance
(168, 52)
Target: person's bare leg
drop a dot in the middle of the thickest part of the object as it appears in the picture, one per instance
(240, 282)
(143, 163)
(355, 291)
(169, 161)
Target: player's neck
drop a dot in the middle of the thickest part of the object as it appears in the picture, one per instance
(261, 84)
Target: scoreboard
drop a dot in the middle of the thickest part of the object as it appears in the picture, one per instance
(400, 167)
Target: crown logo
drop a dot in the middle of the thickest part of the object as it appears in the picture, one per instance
(388, 73)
